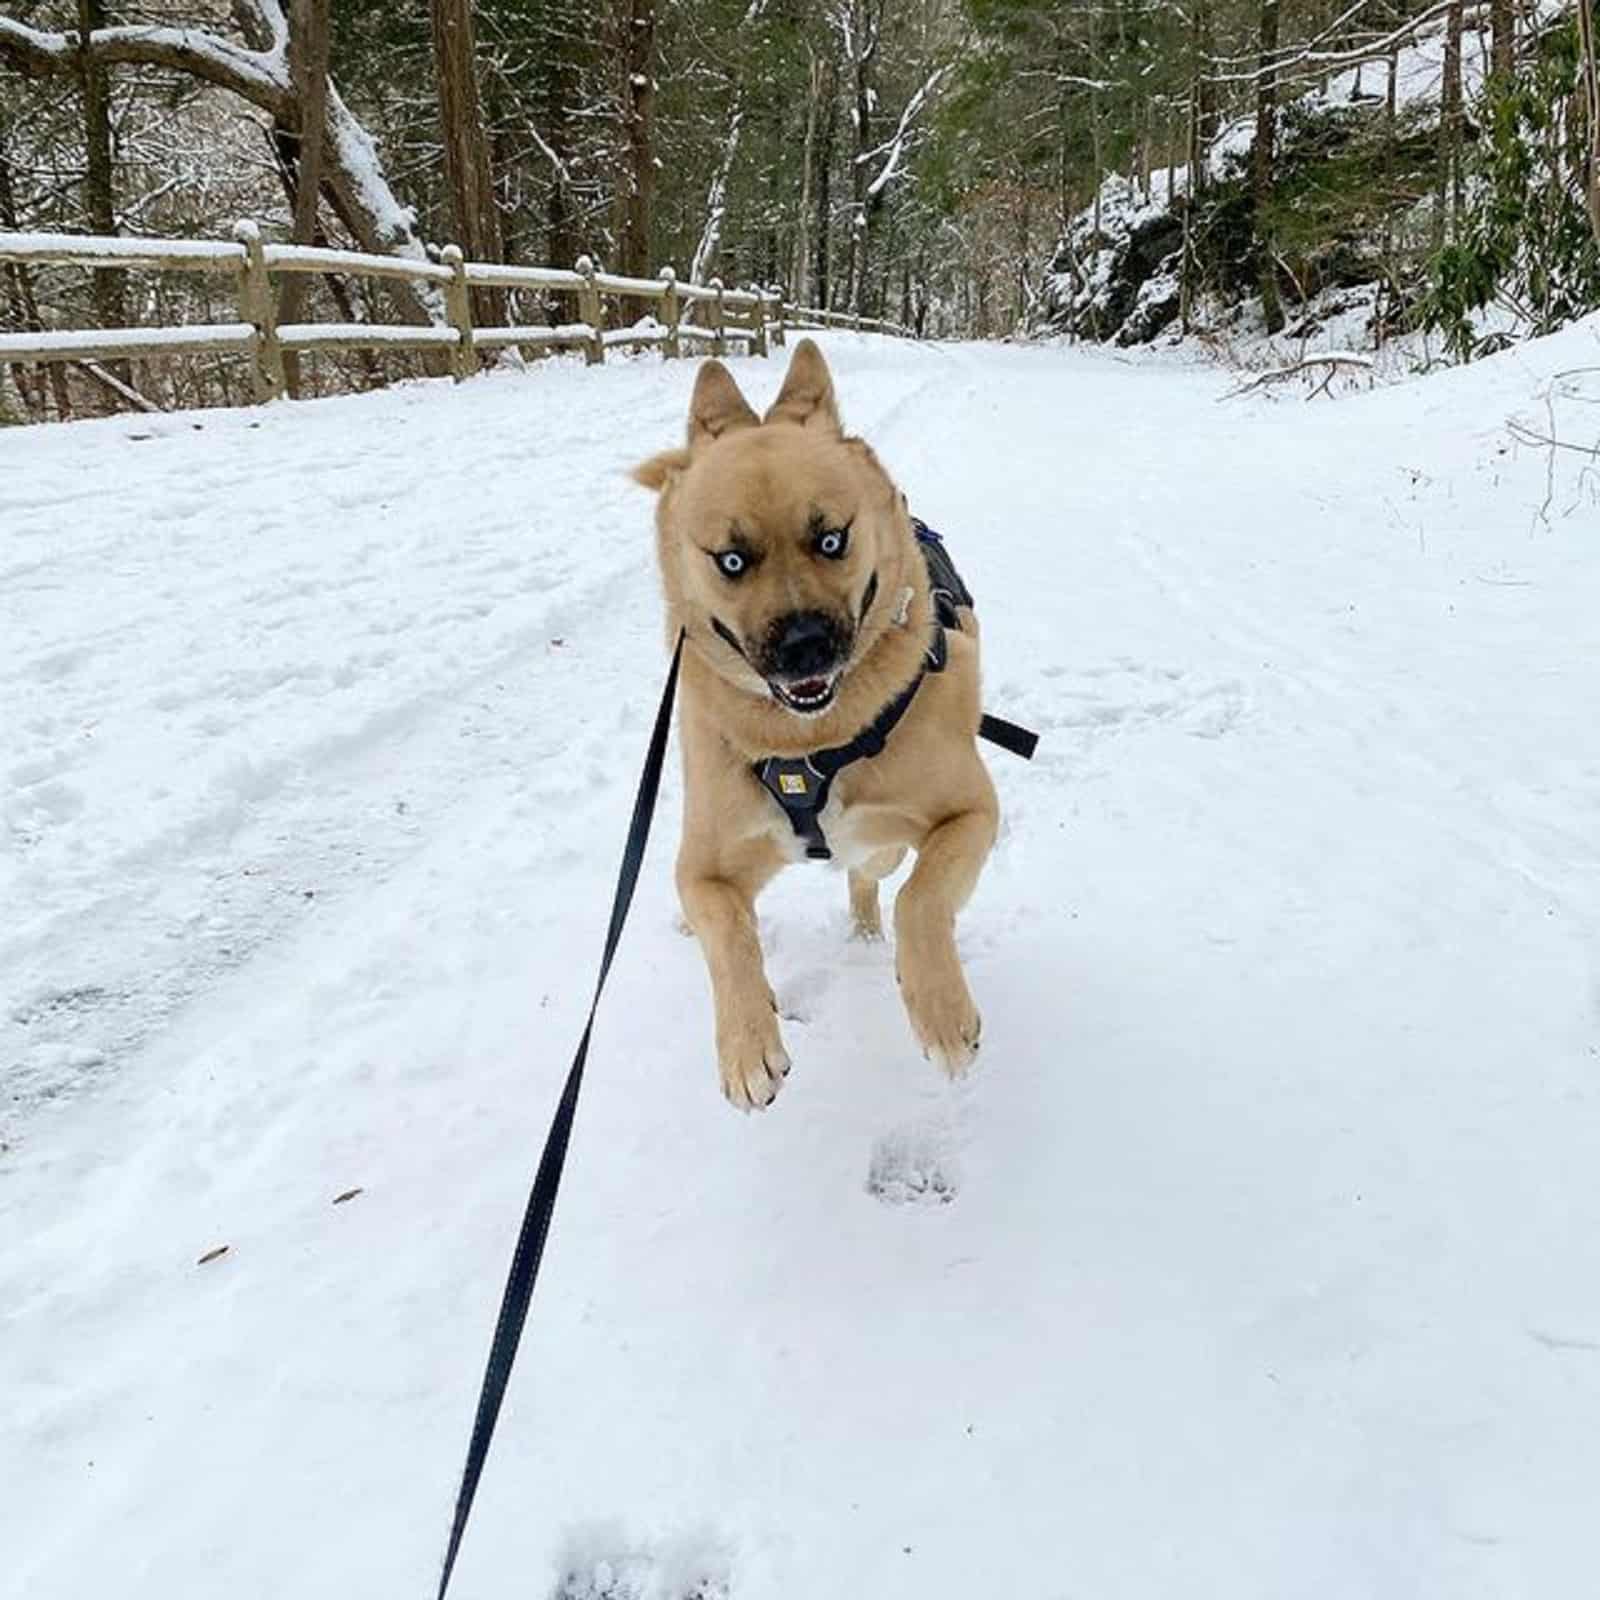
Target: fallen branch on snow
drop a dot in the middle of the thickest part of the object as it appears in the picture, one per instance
(124, 391)
(1332, 360)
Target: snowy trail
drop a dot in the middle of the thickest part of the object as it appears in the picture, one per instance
(1270, 1260)
(294, 632)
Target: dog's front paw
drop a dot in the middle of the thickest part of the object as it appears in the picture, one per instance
(752, 1061)
(943, 1018)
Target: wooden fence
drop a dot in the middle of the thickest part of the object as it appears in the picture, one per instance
(755, 317)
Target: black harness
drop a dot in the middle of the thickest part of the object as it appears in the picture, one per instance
(801, 784)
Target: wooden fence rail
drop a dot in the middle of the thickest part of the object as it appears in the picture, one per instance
(756, 318)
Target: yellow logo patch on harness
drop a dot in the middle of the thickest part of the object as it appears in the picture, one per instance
(792, 782)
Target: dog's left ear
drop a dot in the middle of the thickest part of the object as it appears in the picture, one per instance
(807, 393)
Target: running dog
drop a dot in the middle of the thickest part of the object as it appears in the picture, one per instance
(829, 704)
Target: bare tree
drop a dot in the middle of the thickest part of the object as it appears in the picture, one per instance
(468, 171)
(1262, 158)
(1502, 22)
(800, 273)
(638, 116)
(705, 254)
(859, 24)
(309, 44)
(22, 304)
(257, 72)
(99, 186)
(1448, 195)
(1591, 101)
(829, 133)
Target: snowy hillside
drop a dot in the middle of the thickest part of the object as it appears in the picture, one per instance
(1268, 1257)
(1344, 216)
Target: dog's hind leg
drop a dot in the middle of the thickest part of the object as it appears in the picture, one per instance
(866, 921)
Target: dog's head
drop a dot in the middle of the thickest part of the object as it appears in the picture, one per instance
(778, 535)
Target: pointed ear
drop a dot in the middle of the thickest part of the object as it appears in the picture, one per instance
(716, 407)
(807, 393)
(660, 470)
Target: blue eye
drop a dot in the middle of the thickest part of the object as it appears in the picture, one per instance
(731, 562)
(833, 543)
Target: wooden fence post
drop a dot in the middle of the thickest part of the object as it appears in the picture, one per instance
(256, 308)
(671, 314)
(458, 303)
(758, 323)
(719, 344)
(779, 333)
(589, 311)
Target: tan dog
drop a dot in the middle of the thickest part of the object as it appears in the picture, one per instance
(788, 560)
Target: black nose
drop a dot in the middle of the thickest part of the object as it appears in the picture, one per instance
(805, 644)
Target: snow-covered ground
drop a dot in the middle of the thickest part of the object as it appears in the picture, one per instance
(1270, 1262)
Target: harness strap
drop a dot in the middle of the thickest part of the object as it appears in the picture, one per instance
(1010, 736)
(800, 784)
(949, 592)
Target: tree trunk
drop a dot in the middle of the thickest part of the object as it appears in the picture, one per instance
(1447, 193)
(799, 280)
(25, 308)
(1096, 141)
(705, 255)
(466, 147)
(286, 153)
(1502, 20)
(308, 74)
(863, 47)
(1591, 100)
(1208, 112)
(710, 245)
(558, 96)
(638, 99)
(1064, 132)
(99, 187)
(1261, 166)
(1024, 263)
(1191, 197)
(830, 125)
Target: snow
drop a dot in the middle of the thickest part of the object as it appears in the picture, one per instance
(349, 335)
(202, 335)
(266, 71)
(1419, 77)
(1124, 207)
(530, 335)
(91, 247)
(1258, 1257)
(1419, 74)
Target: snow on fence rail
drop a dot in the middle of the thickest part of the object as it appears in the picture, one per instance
(755, 317)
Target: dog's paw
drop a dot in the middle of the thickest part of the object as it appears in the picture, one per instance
(752, 1061)
(944, 1019)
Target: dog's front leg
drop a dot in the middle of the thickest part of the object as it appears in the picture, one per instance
(750, 1053)
(934, 988)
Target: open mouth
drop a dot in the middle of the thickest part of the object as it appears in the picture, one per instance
(807, 696)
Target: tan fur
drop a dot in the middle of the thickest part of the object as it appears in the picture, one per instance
(769, 482)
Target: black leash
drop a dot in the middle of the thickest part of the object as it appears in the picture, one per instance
(541, 1202)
